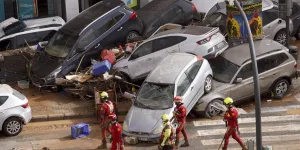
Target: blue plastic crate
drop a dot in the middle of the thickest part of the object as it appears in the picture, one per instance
(80, 130)
(101, 67)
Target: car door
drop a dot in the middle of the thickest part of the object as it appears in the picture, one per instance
(271, 23)
(295, 16)
(140, 63)
(163, 46)
(269, 70)
(3, 99)
(244, 89)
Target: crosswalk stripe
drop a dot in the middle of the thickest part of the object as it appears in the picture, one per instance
(249, 120)
(276, 109)
(264, 139)
(250, 130)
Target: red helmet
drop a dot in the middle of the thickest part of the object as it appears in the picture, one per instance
(177, 99)
(112, 117)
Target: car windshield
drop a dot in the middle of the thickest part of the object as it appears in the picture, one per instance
(61, 44)
(223, 70)
(155, 96)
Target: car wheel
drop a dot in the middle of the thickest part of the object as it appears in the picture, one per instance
(280, 89)
(12, 126)
(208, 84)
(212, 110)
(131, 35)
(281, 37)
(297, 35)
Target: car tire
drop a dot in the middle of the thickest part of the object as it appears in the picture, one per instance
(131, 35)
(208, 85)
(211, 111)
(297, 35)
(12, 126)
(280, 89)
(280, 37)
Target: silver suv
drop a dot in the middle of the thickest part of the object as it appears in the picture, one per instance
(233, 75)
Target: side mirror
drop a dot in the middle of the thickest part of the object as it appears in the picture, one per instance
(239, 80)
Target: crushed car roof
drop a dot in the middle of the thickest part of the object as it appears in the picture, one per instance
(77, 24)
(239, 54)
(169, 68)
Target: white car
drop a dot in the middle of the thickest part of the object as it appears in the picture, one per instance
(179, 74)
(207, 42)
(37, 30)
(14, 110)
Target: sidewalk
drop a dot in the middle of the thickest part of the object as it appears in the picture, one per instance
(47, 106)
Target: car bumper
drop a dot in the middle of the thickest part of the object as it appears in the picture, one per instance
(153, 138)
(27, 115)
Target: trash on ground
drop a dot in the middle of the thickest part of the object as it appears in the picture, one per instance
(269, 100)
(79, 77)
(23, 84)
(101, 67)
(80, 130)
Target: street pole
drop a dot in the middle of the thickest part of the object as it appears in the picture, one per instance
(287, 29)
(255, 78)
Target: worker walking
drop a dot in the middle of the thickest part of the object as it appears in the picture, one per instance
(106, 110)
(166, 141)
(231, 120)
(180, 114)
(116, 131)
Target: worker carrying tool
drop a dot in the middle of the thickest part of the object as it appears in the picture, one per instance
(166, 140)
(180, 114)
(231, 120)
(116, 131)
(106, 110)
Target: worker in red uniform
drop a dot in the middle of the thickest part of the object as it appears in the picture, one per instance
(180, 114)
(116, 131)
(106, 110)
(231, 120)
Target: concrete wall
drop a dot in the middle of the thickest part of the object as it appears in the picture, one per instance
(72, 9)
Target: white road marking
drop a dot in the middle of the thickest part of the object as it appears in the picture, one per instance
(291, 127)
(276, 109)
(248, 120)
(264, 139)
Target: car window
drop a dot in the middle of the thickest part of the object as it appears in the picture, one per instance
(165, 42)
(141, 51)
(183, 85)
(193, 70)
(271, 62)
(269, 16)
(106, 25)
(245, 72)
(6, 44)
(86, 39)
(46, 35)
(170, 15)
(3, 99)
(295, 9)
(30, 38)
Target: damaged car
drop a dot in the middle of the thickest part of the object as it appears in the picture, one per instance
(203, 41)
(233, 75)
(83, 38)
(179, 74)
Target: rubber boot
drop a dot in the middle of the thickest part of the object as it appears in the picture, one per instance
(186, 143)
(103, 145)
(244, 147)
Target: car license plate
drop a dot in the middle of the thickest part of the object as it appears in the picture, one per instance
(143, 139)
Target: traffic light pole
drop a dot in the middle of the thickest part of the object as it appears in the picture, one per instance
(255, 78)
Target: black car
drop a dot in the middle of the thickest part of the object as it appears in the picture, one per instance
(295, 16)
(104, 24)
(159, 12)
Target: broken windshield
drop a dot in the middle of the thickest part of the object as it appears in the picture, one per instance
(156, 96)
(61, 44)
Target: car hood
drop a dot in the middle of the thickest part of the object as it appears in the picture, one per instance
(123, 62)
(144, 120)
(42, 65)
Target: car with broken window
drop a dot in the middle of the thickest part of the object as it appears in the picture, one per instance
(233, 75)
(106, 23)
(203, 41)
(179, 74)
(15, 111)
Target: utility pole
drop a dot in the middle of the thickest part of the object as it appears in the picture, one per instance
(255, 79)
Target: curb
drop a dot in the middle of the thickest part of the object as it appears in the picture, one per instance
(64, 116)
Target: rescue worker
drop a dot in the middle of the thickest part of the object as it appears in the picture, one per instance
(166, 141)
(231, 120)
(180, 114)
(116, 131)
(106, 110)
